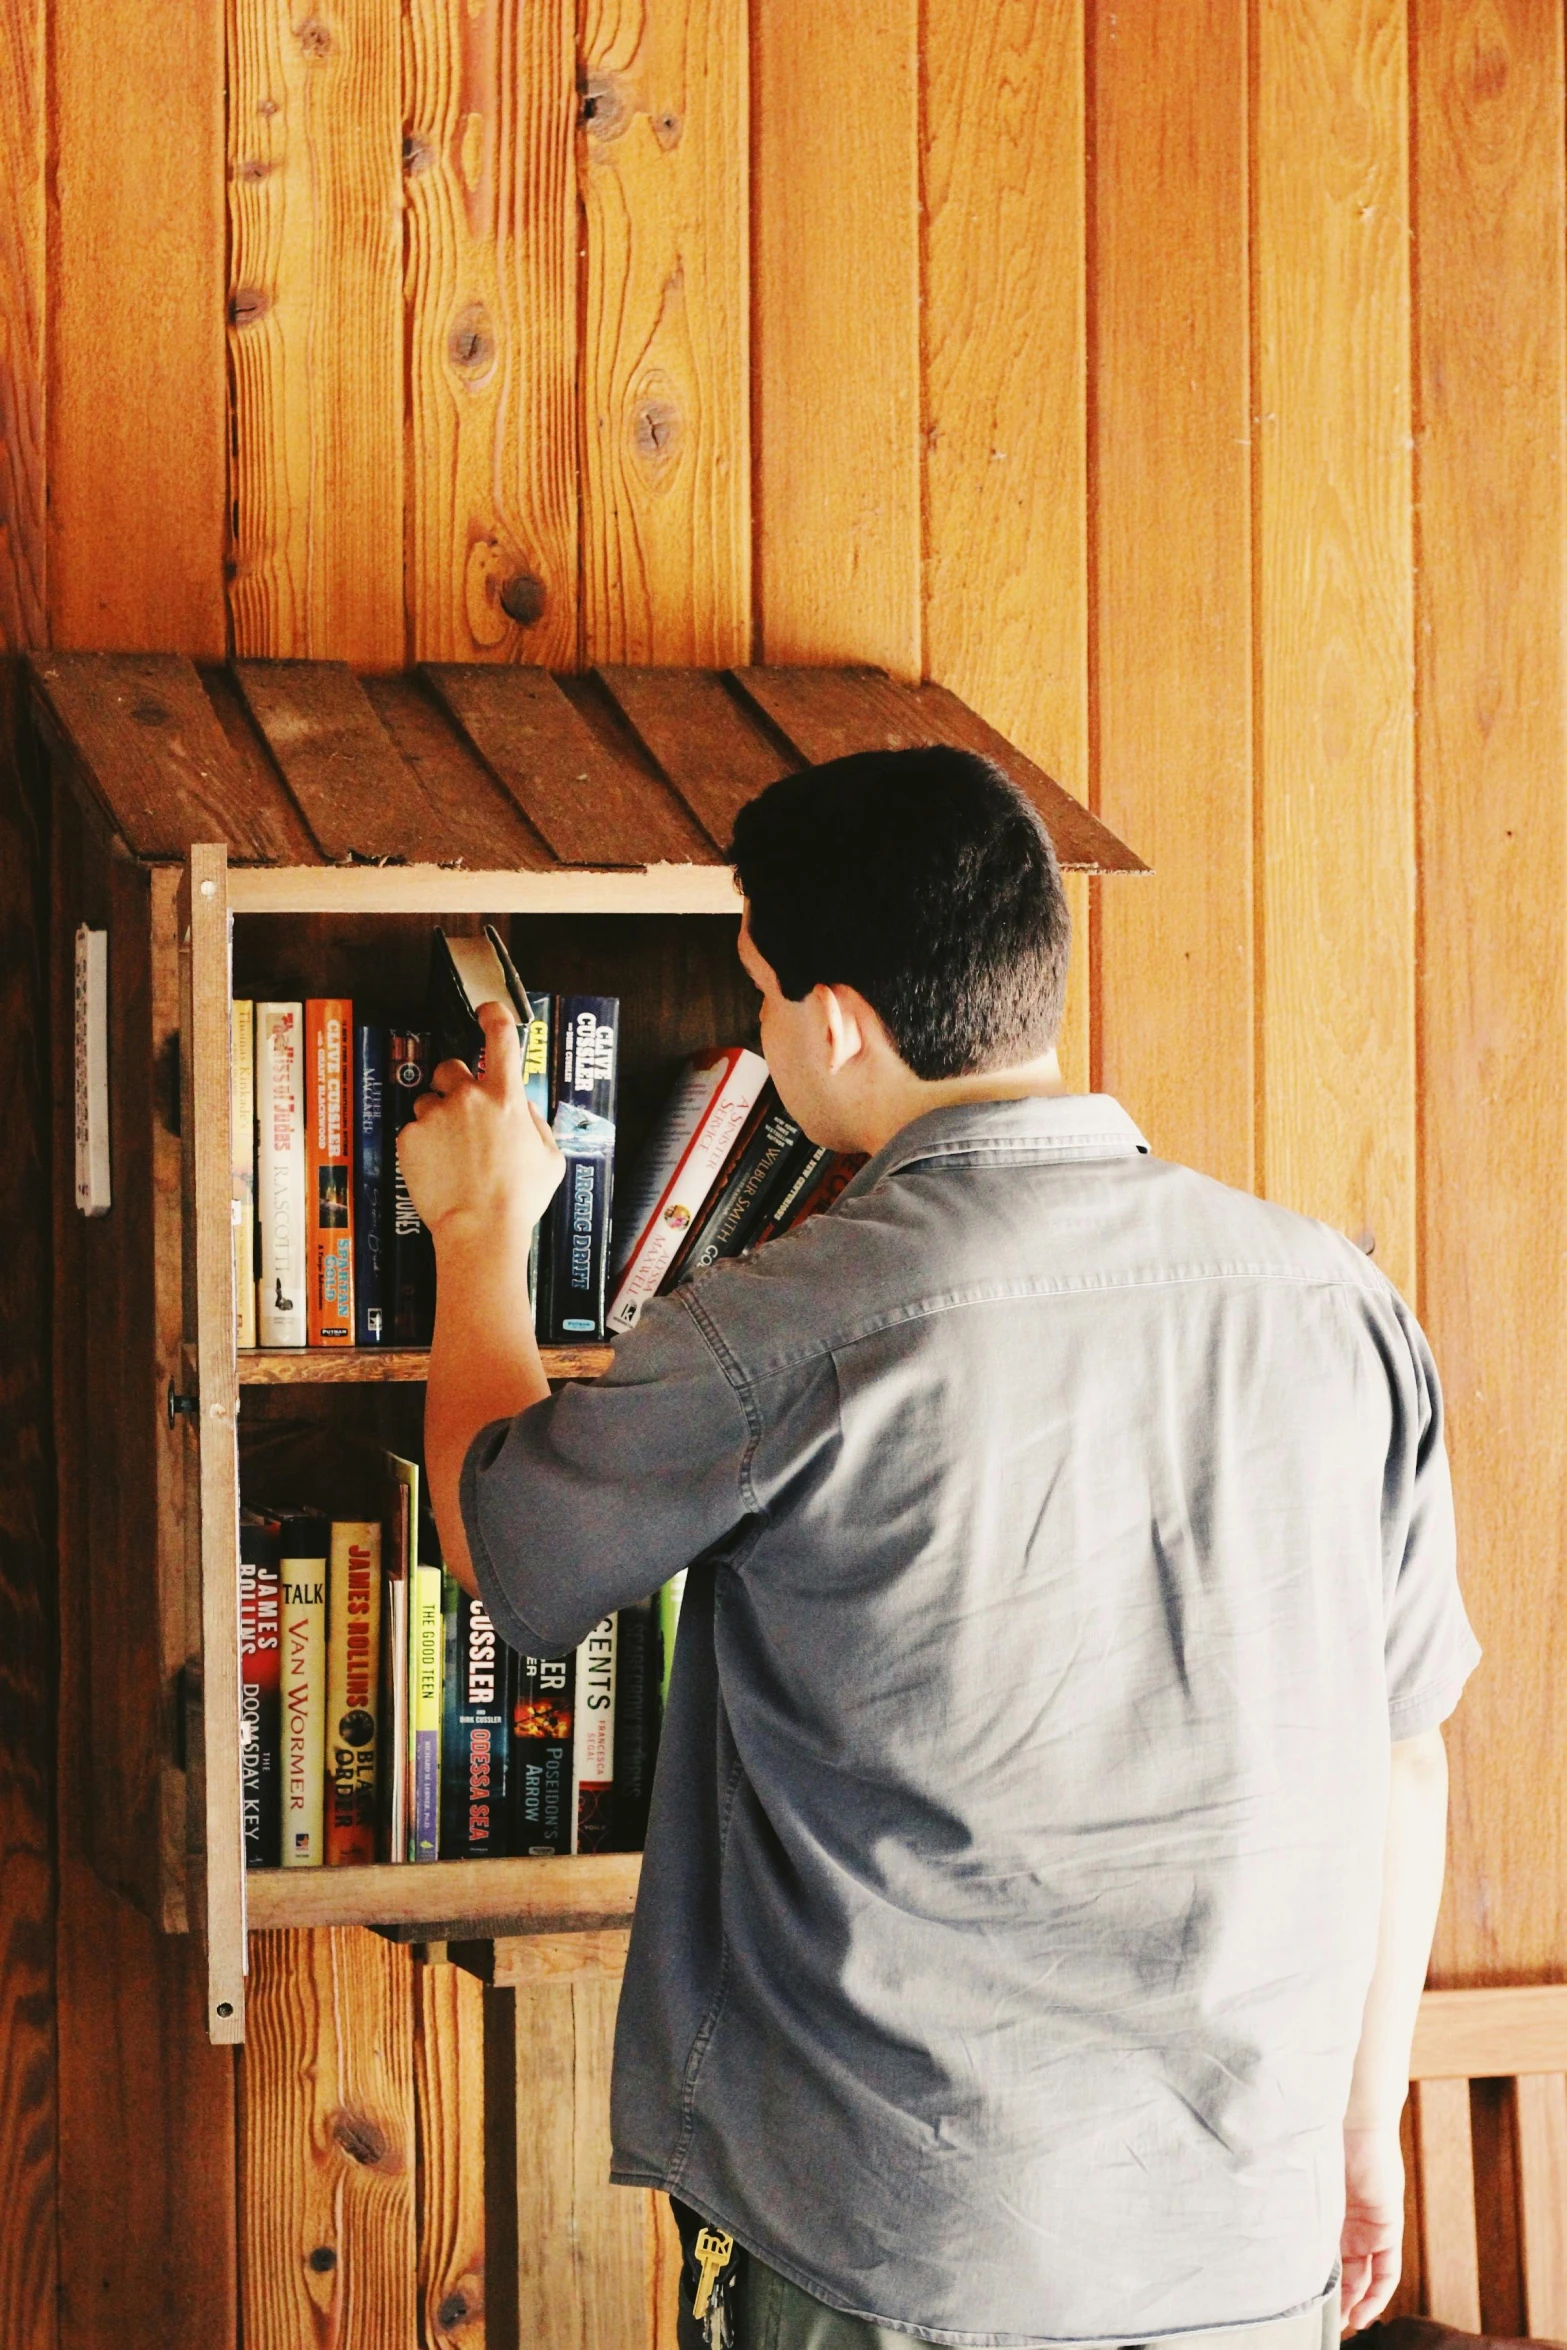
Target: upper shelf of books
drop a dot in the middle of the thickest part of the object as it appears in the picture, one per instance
(478, 787)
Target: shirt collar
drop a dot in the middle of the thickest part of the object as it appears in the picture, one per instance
(1032, 1132)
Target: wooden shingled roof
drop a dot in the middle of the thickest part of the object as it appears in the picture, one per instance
(487, 768)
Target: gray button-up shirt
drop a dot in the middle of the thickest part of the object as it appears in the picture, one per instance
(1069, 1536)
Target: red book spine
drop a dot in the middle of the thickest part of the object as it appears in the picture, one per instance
(329, 1032)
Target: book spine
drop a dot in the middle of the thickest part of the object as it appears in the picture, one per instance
(687, 1191)
(536, 1085)
(353, 1658)
(242, 1129)
(476, 1734)
(680, 1121)
(586, 1037)
(424, 1711)
(371, 1203)
(541, 1755)
(670, 1595)
(593, 1741)
(635, 1723)
(832, 1182)
(329, 1028)
(411, 1258)
(280, 1174)
(303, 1568)
(755, 1171)
(260, 1694)
(799, 1179)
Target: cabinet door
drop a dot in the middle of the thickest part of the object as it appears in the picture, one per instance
(213, 1754)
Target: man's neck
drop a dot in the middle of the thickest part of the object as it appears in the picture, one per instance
(905, 1097)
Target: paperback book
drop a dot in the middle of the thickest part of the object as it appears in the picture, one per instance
(541, 1755)
(372, 1188)
(260, 1690)
(583, 1116)
(280, 1174)
(353, 1659)
(593, 1741)
(476, 1729)
(302, 1567)
(329, 1028)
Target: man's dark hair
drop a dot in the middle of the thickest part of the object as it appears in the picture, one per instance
(925, 880)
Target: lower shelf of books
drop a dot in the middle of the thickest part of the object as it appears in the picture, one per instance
(453, 1900)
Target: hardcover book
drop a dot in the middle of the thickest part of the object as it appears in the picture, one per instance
(329, 1029)
(593, 1740)
(353, 1659)
(476, 1729)
(373, 1144)
(466, 972)
(242, 1132)
(536, 1084)
(541, 1755)
(758, 1166)
(280, 1174)
(410, 1272)
(260, 1691)
(678, 1169)
(302, 1566)
(583, 1115)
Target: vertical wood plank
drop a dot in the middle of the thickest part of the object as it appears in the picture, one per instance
(1172, 573)
(23, 617)
(1491, 215)
(1493, 2123)
(315, 330)
(137, 424)
(665, 390)
(613, 2228)
(1542, 2201)
(491, 289)
(1335, 630)
(327, 2149)
(835, 321)
(1004, 382)
(540, 2124)
(1449, 2252)
(449, 2097)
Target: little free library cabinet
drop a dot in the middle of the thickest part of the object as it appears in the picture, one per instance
(290, 829)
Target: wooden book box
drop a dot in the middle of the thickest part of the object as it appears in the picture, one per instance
(292, 829)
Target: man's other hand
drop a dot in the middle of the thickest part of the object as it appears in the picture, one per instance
(477, 1156)
(1372, 2246)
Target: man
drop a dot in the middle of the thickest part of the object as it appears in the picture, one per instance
(1049, 1824)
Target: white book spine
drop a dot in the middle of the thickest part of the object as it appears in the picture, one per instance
(688, 1187)
(280, 1173)
(593, 1730)
(242, 1116)
(667, 1145)
(92, 1071)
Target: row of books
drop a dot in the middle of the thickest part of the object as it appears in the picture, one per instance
(329, 1250)
(382, 1718)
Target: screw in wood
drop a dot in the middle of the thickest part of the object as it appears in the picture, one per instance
(523, 598)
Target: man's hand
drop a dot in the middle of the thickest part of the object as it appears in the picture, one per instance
(1371, 2248)
(477, 1158)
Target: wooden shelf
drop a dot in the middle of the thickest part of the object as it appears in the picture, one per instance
(452, 1900)
(332, 1366)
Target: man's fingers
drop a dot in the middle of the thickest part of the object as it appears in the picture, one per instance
(502, 1052)
(448, 1075)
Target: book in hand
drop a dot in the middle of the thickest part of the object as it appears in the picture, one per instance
(541, 1791)
(475, 1729)
(593, 1741)
(374, 1143)
(769, 1149)
(303, 1542)
(409, 1275)
(353, 1661)
(466, 972)
(280, 1174)
(329, 1030)
(683, 1159)
(576, 1244)
(260, 1691)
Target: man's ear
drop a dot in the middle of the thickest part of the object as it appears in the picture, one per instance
(846, 1020)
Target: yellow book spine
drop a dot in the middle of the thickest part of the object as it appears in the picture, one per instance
(353, 1666)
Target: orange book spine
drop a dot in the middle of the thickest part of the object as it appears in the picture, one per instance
(329, 1034)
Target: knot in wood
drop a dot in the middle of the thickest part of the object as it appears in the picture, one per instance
(667, 127)
(248, 305)
(471, 344)
(656, 429)
(523, 598)
(149, 714)
(323, 2260)
(253, 168)
(418, 154)
(315, 38)
(606, 105)
(451, 2312)
(361, 2139)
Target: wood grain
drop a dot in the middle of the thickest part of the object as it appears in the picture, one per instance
(1005, 394)
(538, 1958)
(449, 2105)
(1542, 2201)
(23, 524)
(327, 2145)
(702, 736)
(1482, 2035)
(315, 331)
(665, 332)
(361, 799)
(539, 2121)
(1334, 643)
(436, 889)
(471, 804)
(1172, 573)
(836, 339)
(137, 423)
(316, 1366)
(612, 2227)
(441, 1897)
(491, 281)
(1492, 220)
(1449, 2255)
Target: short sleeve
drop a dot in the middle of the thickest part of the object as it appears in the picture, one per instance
(597, 1496)
(1430, 1649)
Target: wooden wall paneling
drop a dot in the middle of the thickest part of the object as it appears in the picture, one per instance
(613, 2225)
(491, 286)
(835, 331)
(23, 525)
(1491, 219)
(1334, 643)
(1449, 2254)
(1541, 2100)
(449, 2102)
(1004, 368)
(1170, 338)
(138, 421)
(665, 378)
(1493, 2123)
(327, 2143)
(28, 2275)
(316, 330)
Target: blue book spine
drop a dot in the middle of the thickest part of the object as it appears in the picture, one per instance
(584, 1051)
(372, 1149)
